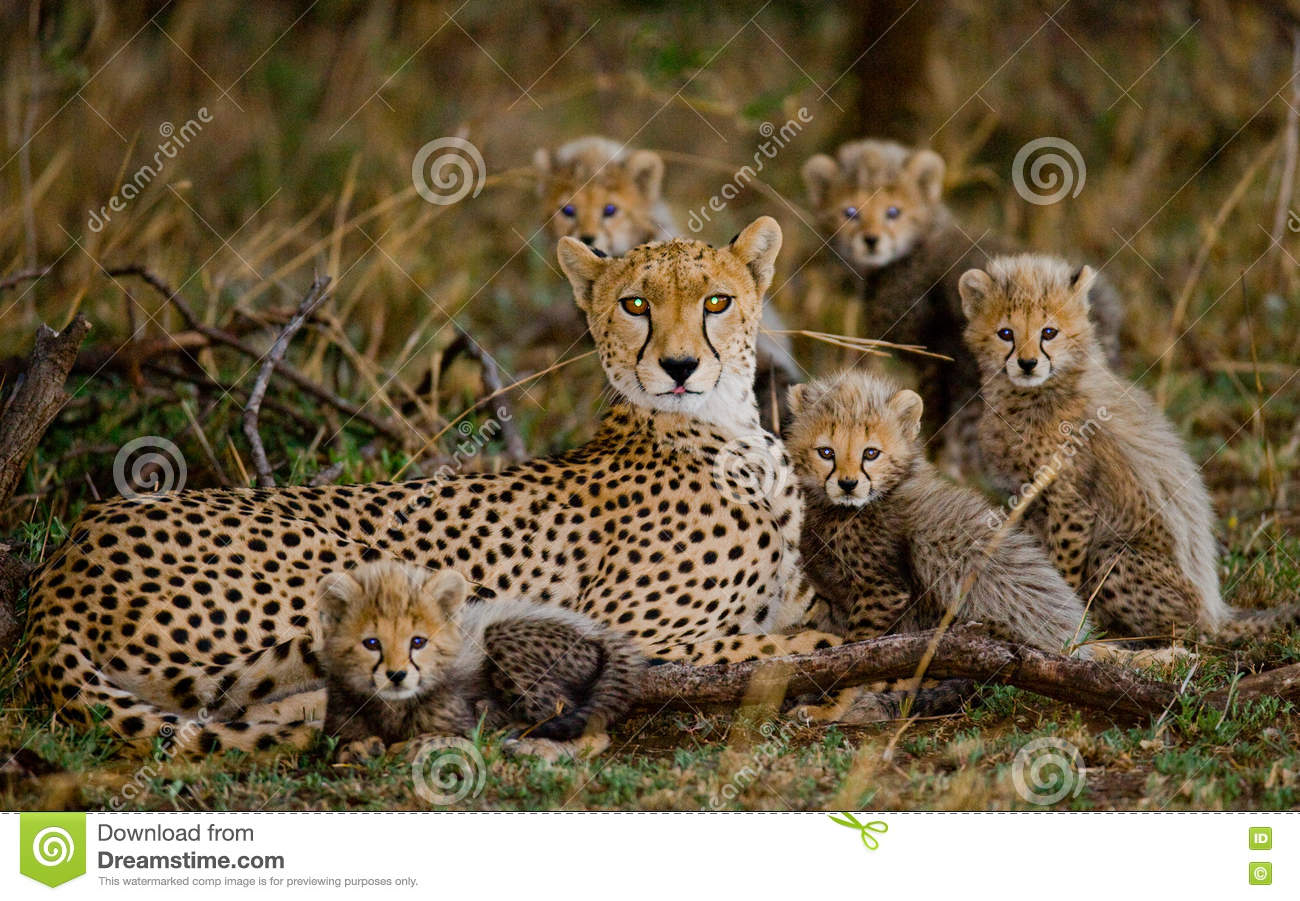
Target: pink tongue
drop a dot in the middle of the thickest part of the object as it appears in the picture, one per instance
(680, 389)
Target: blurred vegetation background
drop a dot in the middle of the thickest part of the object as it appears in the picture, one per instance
(1179, 110)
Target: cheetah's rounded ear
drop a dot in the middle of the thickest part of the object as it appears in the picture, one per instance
(583, 266)
(1081, 284)
(448, 589)
(974, 287)
(794, 398)
(336, 591)
(927, 169)
(907, 406)
(646, 170)
(757, 247)
(542, 165)
(818, 174)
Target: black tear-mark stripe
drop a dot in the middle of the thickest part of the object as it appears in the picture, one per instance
(704, 327)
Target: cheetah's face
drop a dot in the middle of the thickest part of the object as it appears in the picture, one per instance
(675, 322)
(854, 436)
(389, 628)
(611, 210)
(1028, 321)
(873, 221)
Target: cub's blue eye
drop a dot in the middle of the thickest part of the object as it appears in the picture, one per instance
(850, 212)
(1005, 334)
(1049, 333)
(371, 643)
(568, 210)
(610, 210)
(418, 642)
(871, 453)
(826, 453)
(893, 212)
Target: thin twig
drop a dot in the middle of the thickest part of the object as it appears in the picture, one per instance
(514, 442)
(315, 294)
(24, 275)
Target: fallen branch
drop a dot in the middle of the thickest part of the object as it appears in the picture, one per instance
(466, 345)
(36, 400)
(963, 653)
(262, 466)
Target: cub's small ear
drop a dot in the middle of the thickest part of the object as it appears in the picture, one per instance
(448, 590)
(1082, 283)
(542, 164)
(583, 266)
(646, 170)
(907, 406)
(974, 288)
(336, 592)
(794, 398)
(927, 169)
(818, 174)
(757, 247)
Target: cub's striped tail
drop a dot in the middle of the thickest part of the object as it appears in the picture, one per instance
(1247, 624)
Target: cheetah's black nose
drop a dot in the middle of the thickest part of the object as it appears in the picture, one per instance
(1027, 365)
(589, 240)
(396, 676)
(848, 484)
(680, 368)
(870, 241)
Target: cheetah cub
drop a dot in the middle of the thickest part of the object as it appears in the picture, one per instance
(405, 655)
(1124, 512)
(890, 544)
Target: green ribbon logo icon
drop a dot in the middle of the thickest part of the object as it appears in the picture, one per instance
(52, 847)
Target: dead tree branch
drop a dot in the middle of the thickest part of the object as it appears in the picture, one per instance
(36, 400)
(963, 653)
(466, 345)
(315, 294)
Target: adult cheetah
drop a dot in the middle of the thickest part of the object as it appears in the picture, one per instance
(198, 607)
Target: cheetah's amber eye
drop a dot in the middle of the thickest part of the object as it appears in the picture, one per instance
(418, 642)
(569, 210)
(370, 643)
(1006, 334)
(717, 303)
(871, 453)
(893, 212)
(1049, 333)
(635, 306)
(826, 453)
